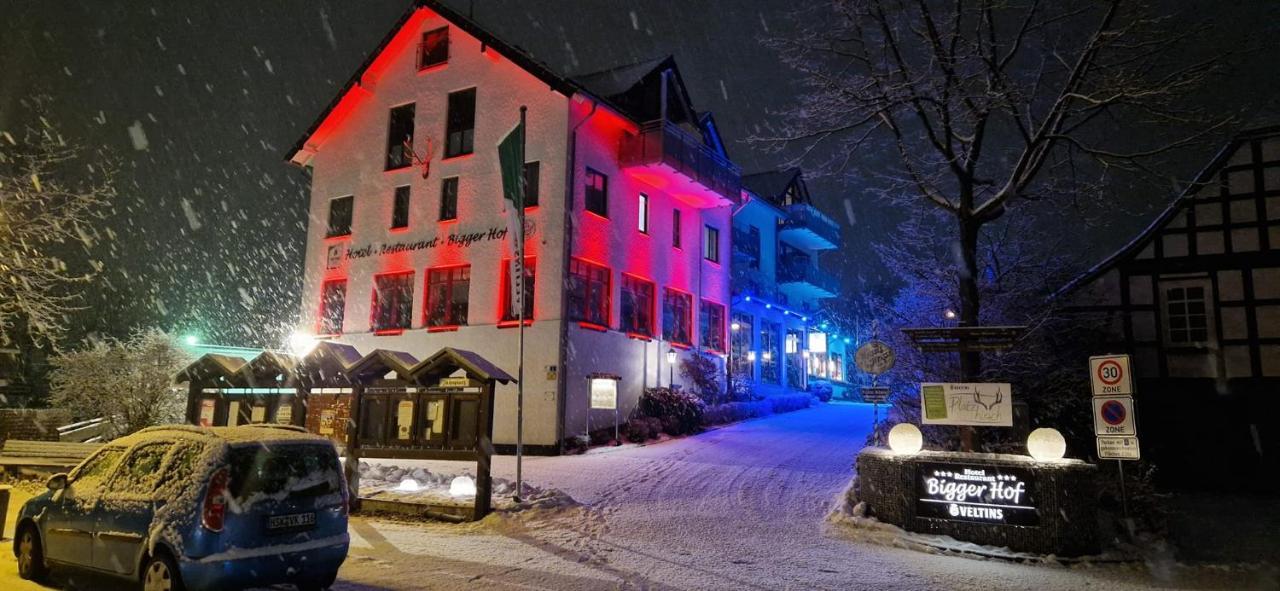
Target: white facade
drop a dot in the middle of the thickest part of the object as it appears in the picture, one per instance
(567, 131)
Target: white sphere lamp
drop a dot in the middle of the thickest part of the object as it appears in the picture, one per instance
(462, 486)
(1046, 444)
(905, 439)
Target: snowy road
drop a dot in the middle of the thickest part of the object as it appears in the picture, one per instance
(736, 508)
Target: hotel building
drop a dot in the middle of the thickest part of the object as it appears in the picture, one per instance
(628, 219)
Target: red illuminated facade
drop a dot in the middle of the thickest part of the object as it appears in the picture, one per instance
(628, 222)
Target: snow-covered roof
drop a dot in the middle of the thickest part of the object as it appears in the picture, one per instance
(380, 361)
(211, 366)
(1184, 199)
(469, 361)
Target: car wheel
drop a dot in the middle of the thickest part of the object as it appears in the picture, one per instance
(319, 584)
(161, 574)
(31, 565)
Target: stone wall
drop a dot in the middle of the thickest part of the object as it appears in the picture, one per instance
(1065, 496)
(32, 424)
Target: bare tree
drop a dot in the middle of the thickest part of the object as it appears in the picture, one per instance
(127, 382)
(972, 106)
(43, 217)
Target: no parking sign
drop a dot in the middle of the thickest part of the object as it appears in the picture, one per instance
(1113, 416)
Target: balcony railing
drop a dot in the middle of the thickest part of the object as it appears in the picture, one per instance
(810, 228)
(662, 142)
(798, 270)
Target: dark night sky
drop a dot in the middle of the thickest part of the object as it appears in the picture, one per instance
(209, 225)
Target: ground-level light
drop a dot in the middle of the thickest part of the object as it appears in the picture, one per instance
(735, 326)
(1046, 444)
(905, 438)
(409, 485)
(463, 486)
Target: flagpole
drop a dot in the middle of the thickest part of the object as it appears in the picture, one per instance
(520, 364)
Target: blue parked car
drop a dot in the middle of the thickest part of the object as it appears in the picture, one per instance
(186, 507)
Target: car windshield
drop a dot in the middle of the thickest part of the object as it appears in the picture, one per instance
(283, 470)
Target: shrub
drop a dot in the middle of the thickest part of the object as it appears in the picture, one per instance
(679, 411)
(740, 391)
(641, 429)
(820, 390)
(740, 411)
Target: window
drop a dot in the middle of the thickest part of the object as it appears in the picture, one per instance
(532, 174)
(509, 311)
(740, 332)
(769, 351)
(340, 216)
(1186, 315)
(711, 244)
(597, 193)
(400, 137)
(333, 306)
(400, 210)
(795, 359)
(434, 49)
(140, 472)
(392, 301)
(675, 228)
(753, 243)
(90, 475)
(449, 199)
(448, 292)
(461, 128)
(183, 465)
(711, 326)
(677, 317)
(589, 292)
(642, 215)
(637, 306)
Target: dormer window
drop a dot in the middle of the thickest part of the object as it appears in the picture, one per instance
(434, 50)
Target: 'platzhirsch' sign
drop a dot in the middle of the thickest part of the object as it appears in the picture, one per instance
(989, 405)
(984, 494)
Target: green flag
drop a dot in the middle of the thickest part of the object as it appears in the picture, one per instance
(511, 161)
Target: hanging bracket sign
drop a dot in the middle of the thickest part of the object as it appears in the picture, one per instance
(874, 358)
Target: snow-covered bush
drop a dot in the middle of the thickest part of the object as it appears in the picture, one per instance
(679, 411)
(820, 390)
(129, 382)
(732, 412)
(641, 429)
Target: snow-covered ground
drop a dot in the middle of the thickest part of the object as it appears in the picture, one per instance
(741, 507)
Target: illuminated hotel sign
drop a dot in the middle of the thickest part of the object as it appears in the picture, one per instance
(984, 494)
(457, 239)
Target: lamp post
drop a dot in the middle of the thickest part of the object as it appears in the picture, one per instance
(671, 368)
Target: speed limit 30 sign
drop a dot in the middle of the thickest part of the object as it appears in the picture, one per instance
(1110, 375)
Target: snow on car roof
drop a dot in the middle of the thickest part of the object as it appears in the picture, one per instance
(231, 435)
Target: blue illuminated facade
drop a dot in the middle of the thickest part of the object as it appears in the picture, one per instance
(778, 288)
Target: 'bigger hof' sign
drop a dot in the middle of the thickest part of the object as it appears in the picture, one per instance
(984, 494)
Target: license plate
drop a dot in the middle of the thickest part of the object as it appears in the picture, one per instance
(293, 521)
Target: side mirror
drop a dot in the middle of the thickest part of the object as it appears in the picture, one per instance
(57, 482)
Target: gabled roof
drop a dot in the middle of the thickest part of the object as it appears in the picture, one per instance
(327, 362)
(211, 366)
(1185, 198)
(380, 361)
(770, 184)
(615, 87)
(469, 361)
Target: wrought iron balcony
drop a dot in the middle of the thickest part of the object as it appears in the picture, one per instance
(708, 179)
(809, 228)
(801, 280)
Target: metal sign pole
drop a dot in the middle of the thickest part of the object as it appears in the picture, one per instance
(520, 366)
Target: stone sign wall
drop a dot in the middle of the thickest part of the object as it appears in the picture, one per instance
(993, 499)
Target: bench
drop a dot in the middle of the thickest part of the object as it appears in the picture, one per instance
(43, 457)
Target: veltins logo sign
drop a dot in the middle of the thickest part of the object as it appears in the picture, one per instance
(983, 494)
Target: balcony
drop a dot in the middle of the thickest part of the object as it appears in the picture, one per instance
(801, 281)
(808, 228)
(703, 178)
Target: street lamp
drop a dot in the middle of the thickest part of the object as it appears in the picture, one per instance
(671, 368)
